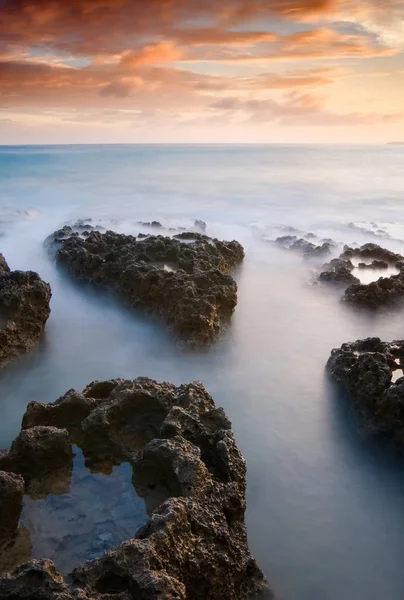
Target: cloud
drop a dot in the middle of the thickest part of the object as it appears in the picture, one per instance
(200, 61)
(296, 109)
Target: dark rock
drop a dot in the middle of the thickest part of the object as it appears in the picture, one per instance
(338, 272)
(155, 224)
(200, 225)
(374, 295)
(43, 456)
(11, 495)
(187, 466)
(24, 310)
(373, 251)
(192, 236)
(308, 249)
(365, 368)
(37, 580)
(196, 299)
(375, 264)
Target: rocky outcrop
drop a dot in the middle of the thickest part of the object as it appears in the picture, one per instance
(24, 310)
(11, 495)
(372, 252)
(375, 264)
(308, 249)
(41, 455)
(386, 291)
(185, 284)
(187, 467)
(338, 272)
(367, 370)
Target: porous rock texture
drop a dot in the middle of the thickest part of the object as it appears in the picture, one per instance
(186, 284)
(11, 495)
(308, 249)
(24, 310)
(386, 291)
(338, 272)
(188, 468)
(376, 294)
(366, 370)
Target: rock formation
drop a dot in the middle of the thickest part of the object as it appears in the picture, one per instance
(367, 370)
(186, 465)
(338, 272)
(308, 249)
(185, 284)
(24, 310)
(373, 295)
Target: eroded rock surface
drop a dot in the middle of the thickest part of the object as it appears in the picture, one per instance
(338, 272)
(373, 252)
(386, 291)
(41, 455)
(24, 310)
(188, 468)
(185, 284)
(11, 495)
(368, 370)
(303, 246)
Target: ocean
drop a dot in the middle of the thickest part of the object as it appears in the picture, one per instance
(325, 501)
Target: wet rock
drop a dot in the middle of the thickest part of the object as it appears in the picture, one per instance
(189, 469)
(308, 249)
(371, 251)
(375, 264)
(11, 495)
(366, 369)
(201, 225)
(338, 272)
(386, 291)
(43, 456)
(24, 310)
(155, 224)
(196, 298)
(37, 580)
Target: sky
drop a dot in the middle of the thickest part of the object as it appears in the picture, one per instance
(201, 71)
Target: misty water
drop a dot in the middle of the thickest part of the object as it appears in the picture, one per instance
(325, 503)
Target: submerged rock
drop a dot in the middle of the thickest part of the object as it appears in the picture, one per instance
(196, 296)
(24, 310)
(366, 369)
(187, 466)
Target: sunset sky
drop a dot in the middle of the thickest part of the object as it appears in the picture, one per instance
(74, 71)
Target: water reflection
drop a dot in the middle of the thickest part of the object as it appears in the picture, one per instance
(93, 514)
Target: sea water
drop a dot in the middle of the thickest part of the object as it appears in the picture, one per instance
(325, 502)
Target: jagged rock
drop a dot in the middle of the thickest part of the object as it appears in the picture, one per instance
(43, 456)
(196, 296)
(338, 272)
(384, 291)
(24, 310)
(375, 264)
(155, 224)
(365, 368)
(39, 580)
(308, 249)
(200, 225)
(187, 466)
(11, 495)
(373, 251)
